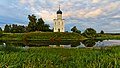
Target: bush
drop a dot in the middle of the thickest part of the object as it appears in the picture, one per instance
(102, 32)
(90, 33)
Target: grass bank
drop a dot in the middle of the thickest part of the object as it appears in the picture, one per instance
(41, 36)
(107, 57)
(109, 37)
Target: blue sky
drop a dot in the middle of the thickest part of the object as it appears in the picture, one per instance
(97, 14)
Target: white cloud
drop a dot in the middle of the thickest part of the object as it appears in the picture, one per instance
(23, 1)
(95, 1)
(116, 16)
(112, 6)
(46, 15)
(83, 12)
(94, 13)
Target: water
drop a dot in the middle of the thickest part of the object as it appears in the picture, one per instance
(63, 44)
(108, 43)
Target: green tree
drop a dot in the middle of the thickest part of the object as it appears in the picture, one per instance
(40, 25)
(90, 33)
(7, 28)
(78, 31)
(32, 23)
(37, 25)
(102, 32)
(0, 29)
(14, 28)
(40, 21)
(46, 27)
(21, 29)
(74, 29)
(18, 28)
(32, 18)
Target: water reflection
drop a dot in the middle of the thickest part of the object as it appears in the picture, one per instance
(89, 42)
(63, 44)
(44, 43)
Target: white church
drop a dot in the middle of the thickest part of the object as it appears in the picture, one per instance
(59, 22)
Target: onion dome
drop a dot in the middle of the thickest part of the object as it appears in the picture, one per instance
(59, 12)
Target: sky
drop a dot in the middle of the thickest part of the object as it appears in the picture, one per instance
(97, 14)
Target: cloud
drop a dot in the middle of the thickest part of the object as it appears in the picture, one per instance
(112, 6)
(83, 14)
(97, 14)
(67, 6)
(31, 2)
(46, 15)
(23, 1)
(78, 12)
(116, 16)
(94, 13)
(112, 27)
(95, 1)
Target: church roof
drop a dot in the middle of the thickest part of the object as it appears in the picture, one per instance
(59, 12)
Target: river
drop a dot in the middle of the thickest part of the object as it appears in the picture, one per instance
(64, 44)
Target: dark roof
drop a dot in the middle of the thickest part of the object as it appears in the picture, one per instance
(59, 12)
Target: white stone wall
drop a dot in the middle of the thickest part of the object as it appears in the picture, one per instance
(59, 25)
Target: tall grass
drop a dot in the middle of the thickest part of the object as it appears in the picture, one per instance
(10, 48)
(108, 57)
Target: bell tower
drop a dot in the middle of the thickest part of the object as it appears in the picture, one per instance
(59, 22)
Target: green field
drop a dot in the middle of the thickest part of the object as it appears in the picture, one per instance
(108, 37)
(51, 36)
(41, 36)
(107, 57)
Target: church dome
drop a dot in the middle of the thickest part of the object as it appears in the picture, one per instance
(59, 12)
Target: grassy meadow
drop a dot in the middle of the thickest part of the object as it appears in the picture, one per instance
(14, 57)
(108, 37)
(40, 36)
(46, 57)
(51, 36)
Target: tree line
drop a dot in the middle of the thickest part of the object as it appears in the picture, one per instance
(89, 32)
(34, 25)
(37, 24)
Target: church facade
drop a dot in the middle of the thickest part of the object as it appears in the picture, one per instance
(59, 22)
